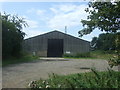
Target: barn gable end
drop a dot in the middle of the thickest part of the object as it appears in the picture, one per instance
(55, 44)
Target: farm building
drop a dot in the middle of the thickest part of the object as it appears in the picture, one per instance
(55, 44)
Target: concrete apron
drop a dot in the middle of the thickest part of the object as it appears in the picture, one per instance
(52, 58)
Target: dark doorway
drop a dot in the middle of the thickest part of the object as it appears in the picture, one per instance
(55, 48)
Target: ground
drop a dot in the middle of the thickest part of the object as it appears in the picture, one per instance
(19, 75)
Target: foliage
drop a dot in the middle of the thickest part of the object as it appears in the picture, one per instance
(12, 36)
(92, 79)
(104, 15)
(105, 41)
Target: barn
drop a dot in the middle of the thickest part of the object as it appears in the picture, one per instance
(55, 44)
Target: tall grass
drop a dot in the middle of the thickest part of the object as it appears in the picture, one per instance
(94, 79)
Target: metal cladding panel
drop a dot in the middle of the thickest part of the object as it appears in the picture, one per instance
(39, 44)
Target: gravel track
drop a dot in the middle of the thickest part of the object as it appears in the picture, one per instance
(19, 75)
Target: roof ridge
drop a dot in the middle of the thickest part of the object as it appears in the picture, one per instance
(58, 32)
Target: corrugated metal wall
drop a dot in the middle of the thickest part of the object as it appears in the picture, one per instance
(71, 45)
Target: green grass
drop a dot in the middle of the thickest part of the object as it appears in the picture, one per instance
(94, 79)
(102, 54)
(92, 55)
(13, 60)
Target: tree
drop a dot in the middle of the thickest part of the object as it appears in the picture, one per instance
(12, 35)
(104, 16)
(105, 41)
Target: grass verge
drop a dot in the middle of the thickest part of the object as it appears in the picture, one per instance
(91, 55)
(94, 79)
(13, 60)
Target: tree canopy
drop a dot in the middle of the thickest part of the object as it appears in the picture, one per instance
(12, 35)
(102, 15)
(105, 41)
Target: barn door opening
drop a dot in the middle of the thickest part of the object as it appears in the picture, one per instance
(55, 48)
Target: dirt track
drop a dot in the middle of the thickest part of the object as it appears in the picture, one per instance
(19, 75)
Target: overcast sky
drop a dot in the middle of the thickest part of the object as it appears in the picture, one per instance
(43, 17)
